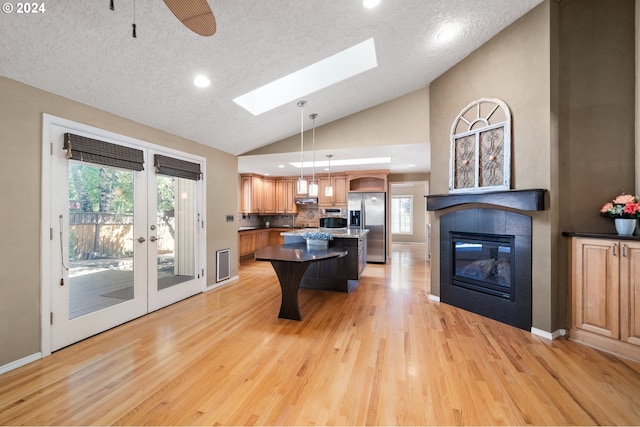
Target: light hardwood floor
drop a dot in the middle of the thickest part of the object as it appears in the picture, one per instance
(382, 355)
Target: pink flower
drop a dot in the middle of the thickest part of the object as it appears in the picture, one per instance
(606, 207)
(623, 199)
(631, 208)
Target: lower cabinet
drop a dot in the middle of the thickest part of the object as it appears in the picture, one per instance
(250, 241)
(605, 294)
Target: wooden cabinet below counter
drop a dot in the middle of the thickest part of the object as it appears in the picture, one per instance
(250, 241)
(605, 294)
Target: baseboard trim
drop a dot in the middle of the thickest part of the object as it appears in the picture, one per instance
(435, 298)
(549, 335)
(20, 362)
(221, 283)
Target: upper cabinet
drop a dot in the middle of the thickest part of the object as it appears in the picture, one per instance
(368, 181)
(269, 195)
(285, 196)
(339, 184)
(251, 193)
(266, 195)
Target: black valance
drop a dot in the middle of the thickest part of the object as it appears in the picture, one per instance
(103, 153)
(175, 167)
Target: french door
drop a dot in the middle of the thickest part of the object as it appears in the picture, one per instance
(124, 240)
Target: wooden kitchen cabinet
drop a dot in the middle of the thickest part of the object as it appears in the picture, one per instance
(605, 294)
(251, 196)
(339, 184)
(285, 196)
(250, 241)
(630, 293)
(268, 196)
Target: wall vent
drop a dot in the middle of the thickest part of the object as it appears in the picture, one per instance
(223, 268)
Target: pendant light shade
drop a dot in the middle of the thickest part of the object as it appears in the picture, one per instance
(313, 189)
(302, 183)
(313, 185)
(328, 190)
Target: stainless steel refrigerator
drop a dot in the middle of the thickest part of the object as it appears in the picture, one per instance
(368, 210)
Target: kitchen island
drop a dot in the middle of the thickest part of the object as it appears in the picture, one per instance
(340, 274)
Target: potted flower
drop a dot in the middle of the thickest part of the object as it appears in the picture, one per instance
(317, 240)
(267, 221)
(625, 210)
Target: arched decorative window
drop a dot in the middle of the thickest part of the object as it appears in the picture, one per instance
(480, 158)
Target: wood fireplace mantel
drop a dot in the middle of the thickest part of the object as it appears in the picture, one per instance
(525, 200)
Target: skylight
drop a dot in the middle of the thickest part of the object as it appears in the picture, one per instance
(348, 63)
(345, 162)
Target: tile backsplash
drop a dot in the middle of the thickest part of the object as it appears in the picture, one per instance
(307, 216)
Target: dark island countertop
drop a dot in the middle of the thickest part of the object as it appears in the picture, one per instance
(297, 252)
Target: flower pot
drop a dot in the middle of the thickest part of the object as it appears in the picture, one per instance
(625, 226)
(317, 244)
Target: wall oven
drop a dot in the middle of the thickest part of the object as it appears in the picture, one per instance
(333, 218)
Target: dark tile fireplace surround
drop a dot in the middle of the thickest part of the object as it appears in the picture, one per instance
(485, 253)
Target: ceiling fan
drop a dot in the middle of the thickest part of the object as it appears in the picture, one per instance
(196, 15)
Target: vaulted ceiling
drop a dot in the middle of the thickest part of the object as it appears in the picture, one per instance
(84, 51)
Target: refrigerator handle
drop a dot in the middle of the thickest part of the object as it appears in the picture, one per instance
(363, 215)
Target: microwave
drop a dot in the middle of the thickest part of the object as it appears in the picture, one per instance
(334, 212)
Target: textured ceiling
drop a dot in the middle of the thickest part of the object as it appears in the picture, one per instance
(81, 50)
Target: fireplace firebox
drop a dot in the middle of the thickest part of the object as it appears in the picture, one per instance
(482, 263)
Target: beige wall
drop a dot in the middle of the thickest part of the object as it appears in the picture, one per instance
(513, 66)
(566, 70)
(404, 120)
(21, 109)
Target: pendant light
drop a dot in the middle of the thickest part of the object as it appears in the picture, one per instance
(302, 183)
(328, 190)
(313, 185)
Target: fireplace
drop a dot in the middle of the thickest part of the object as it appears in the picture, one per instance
(482, 263)
(485, 253)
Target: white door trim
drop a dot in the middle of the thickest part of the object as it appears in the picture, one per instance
(46, 227)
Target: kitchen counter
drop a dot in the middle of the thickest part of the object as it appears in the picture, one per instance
(268, 228)
(335, 232)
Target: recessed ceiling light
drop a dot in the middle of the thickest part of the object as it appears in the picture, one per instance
(447, 33)
(370, 4)
(201, 81)
(348, 63)
(281, 166)
(411, 166)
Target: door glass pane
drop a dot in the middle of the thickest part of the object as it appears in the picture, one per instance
(175, 231)
(100, 237)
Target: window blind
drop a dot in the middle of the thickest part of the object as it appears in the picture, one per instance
(103, 153)
(175, 167)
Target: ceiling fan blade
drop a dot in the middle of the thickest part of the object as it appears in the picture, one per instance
(196, 15)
